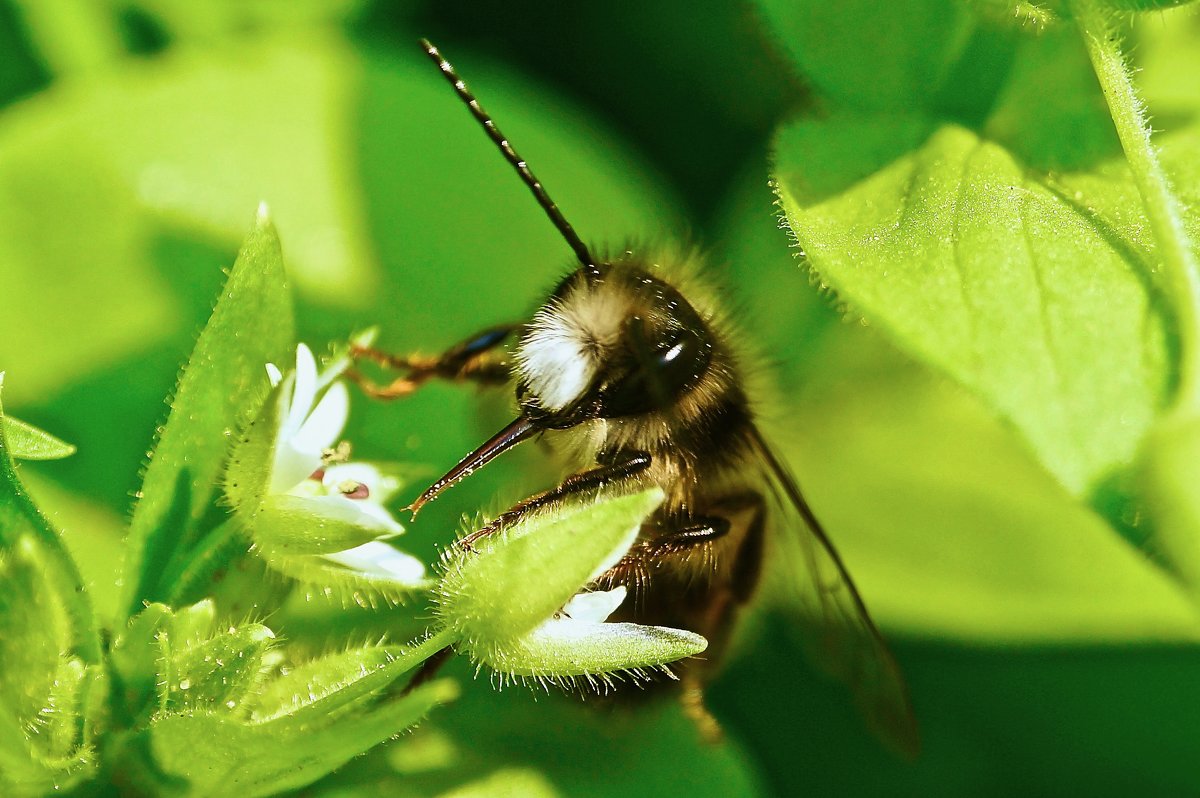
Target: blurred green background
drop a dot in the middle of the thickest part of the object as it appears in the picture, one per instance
(1045, 655)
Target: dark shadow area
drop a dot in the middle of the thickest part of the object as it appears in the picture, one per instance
(995, 720)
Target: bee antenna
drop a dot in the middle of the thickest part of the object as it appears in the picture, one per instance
(539, 193)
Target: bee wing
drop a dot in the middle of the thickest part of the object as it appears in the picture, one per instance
(846, 641)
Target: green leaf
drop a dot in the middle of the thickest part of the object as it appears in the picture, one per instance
(1051, 113)
(282, 128)
(27, 442)
(910, 474)
(218, 755)
(23, 527)
(329, 685)
(506, 596)
(194, 623)
(252, 457)
(49, 645)
(1143, 5)
(1009, 281)
(116, 292)
(201, 23)
(561, 649)
(897, 56)
(516, 580)
(251, 326)
(135, 657)
(560, 737)
(300, 525)
(214, 674)
(44, 684)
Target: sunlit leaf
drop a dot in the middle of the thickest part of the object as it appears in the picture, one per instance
(216, 754)
(49, 645)
(1007, 280)
(507, 781)
(514, 581)
(314, 690)
(950, 527)
(222, 382)
(27, 442)
(212, 674)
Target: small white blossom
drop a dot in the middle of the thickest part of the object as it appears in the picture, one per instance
(310, 474)
(307, 427)
(519, 603)
(592, 607)
(381, 561)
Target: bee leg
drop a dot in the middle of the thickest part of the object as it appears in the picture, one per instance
(614, 468)
(702, 530)
(473, 360)
(697, 711)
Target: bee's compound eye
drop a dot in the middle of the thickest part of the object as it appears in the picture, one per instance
(657, 373)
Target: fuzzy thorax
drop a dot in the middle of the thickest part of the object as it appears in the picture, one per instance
(584, 346)
(567, 343)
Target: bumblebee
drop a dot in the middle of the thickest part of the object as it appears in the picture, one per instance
(630, 370)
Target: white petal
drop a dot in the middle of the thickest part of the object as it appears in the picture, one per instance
(292, 466)
(382, 561)
(323, 426)
(369, 517)
(384, 522)
(594, 607)
(303, 392)
(274, 374)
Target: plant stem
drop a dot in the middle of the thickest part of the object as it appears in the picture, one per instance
(420, 652)
(437, 640)
(73, 37)
(1179, 267)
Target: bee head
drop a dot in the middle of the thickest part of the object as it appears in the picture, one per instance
(613, 341)
(624, 344)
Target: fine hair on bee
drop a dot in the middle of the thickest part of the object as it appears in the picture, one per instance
(632, 372)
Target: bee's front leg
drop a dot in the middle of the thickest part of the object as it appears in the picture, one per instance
(613, 468)
(477, 359)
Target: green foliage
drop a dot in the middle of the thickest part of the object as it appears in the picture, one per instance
(27, 442)
(233, 710)
(216, 754)
(251, 326)
(1039, 291)
(1003, 444)
(510, 597)
(546, 561)
(52, 683)
(202, 705)
(970, 263)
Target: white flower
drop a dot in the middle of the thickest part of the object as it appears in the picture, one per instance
(318, 504)
(307, 427)
(591, 607)
(380, 561)
(519, 604)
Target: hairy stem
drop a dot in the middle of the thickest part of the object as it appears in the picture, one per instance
(1181, 278)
